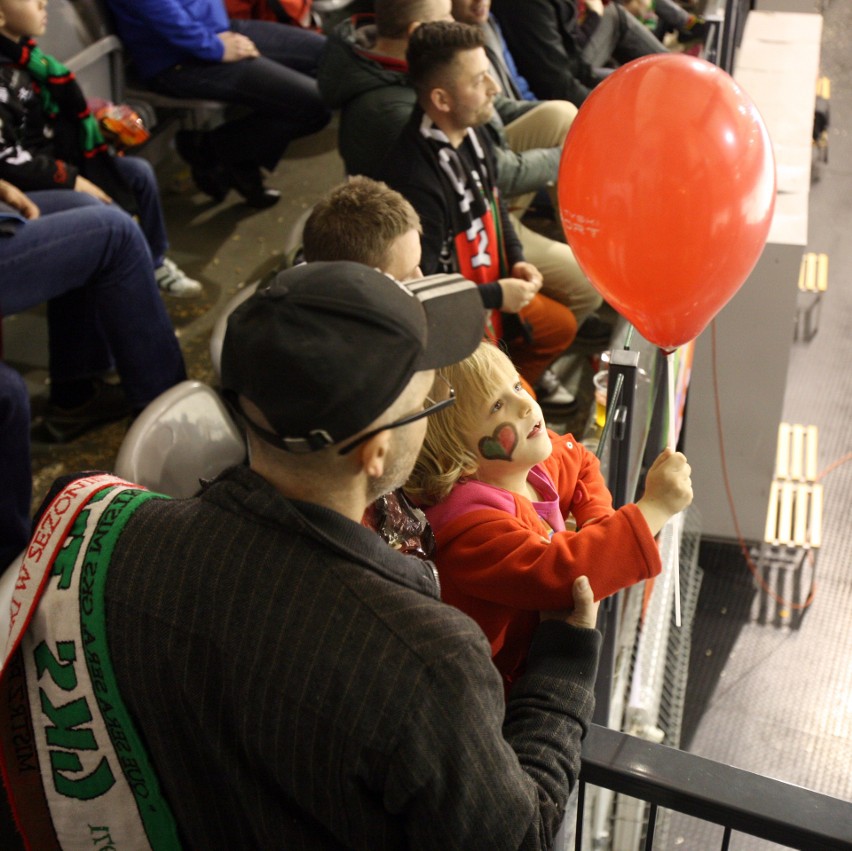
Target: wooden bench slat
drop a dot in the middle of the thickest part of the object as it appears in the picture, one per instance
(816, 516)
(800, 532)
(813, 273)
(770, 534)
(782, 457)
(822, 273)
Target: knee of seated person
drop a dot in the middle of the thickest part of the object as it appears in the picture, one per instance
(560, 113)
(140, 165)
(553, 118)
(120, 224)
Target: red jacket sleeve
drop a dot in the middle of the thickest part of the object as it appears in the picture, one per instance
(576, 474)
(494, 556)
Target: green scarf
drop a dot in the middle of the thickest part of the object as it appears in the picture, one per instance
(78, 137)
(76, 769)
(61, 95)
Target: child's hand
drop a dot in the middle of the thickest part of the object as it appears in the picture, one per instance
(517, 294)
(668, 489)
(585, 611)
(83, 185)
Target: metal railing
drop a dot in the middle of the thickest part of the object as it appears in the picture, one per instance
(711, 791)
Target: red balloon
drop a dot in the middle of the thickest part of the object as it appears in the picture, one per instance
(666, 192)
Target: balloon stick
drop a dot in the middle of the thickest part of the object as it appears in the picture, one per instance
(676, 521)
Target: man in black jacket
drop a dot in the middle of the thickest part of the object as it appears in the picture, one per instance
(560, 45)
(296, 682)
(443, 164)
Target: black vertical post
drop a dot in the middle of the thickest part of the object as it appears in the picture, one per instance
(621, 385)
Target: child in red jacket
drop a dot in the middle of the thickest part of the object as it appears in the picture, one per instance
(496, 485)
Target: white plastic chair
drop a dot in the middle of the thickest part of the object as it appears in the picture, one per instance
(218, 335)
(186, 434)
(290, 247)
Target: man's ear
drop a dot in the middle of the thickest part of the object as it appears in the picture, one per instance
(374, 453)
(411, 27)
(440, 99)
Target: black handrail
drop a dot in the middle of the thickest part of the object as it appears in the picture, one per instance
(749, 803)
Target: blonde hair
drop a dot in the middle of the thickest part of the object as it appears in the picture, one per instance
(444, 459)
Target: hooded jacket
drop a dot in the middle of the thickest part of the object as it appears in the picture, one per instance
(501, 565)
(375, 101)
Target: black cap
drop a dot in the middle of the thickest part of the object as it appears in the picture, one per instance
(325, 348)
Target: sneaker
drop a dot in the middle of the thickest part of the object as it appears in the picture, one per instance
(174, 281)
(61, 425)
(551, 393)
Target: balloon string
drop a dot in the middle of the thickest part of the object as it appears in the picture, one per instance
(676, 521)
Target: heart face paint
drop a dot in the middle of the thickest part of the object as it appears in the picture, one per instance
(500, 445)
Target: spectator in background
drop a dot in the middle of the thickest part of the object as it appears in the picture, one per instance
(541, 131)
(665, 16)
(15, 466)
(190, 49)
(365, 221)
(89, 263)
(561, 45)
(49, 139)
(364, 73)
(443, 164)
(297, 12)
(478, 13)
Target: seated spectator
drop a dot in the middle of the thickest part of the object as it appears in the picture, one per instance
(49, 139)
(376, 719)
(364, 73)
(15, 466)
(536, 135)
(665, 16)
(297, 12)
(497, 486)
(89, 262)
(442, 163)
(477, 13)
(365, 221)
(561, 45)
(190, 49)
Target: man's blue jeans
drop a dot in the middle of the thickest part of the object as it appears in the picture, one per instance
(15, 469)
(90, 262)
